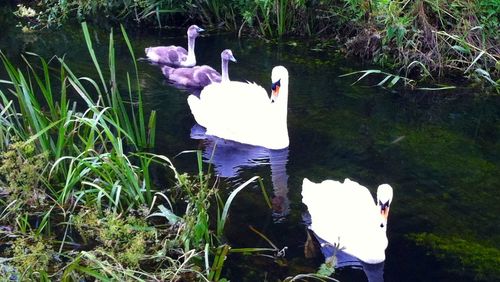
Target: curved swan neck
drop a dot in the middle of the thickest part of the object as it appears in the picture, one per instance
(282, 102)
(190, 56)
(224, 70)
(278, 120)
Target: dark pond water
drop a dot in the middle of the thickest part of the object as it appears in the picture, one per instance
(439, 150)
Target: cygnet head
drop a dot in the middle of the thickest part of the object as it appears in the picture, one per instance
(279, 78)
(194, 31)
(227, 55)
(384, 199)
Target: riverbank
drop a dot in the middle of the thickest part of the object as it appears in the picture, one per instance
(77, 196)
(417, 39)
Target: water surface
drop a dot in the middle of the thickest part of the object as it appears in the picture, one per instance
(439, 150)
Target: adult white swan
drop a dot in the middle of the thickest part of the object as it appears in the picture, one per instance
(243, 112)
(175, 55)
(199, 76)
(345, 215)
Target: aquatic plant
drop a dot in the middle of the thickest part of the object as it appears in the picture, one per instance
(466, 257)
(21, 173)
(94, 179)
(31, 258)
(390, 80)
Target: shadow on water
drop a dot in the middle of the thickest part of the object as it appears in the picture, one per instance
(440, 151)
(231, 158)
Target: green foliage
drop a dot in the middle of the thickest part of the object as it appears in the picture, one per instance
(31, 257)
(53, 13)
(21, 171)
(96, 175)
(470, 257)
(198, 196)
(84, 146)
(328, 267)
(124, 239)
(430, 36)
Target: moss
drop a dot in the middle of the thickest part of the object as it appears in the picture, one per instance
(467, 256)
(31, 255)
(21, 171)
(123, 238)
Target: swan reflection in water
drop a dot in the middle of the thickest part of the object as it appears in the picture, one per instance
(348, 224)
(373, 272)
(230, 157)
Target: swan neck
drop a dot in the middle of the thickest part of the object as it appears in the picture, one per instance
(282, 101)
(224, 70)
(279, 118)
(191, 56)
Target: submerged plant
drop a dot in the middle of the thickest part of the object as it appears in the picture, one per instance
(462, 256)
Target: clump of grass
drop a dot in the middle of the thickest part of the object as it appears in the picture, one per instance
(97, 182)
(427, 36)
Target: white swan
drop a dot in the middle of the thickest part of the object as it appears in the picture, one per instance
(199, 76)
(175, 55)
(344, 214)
(243, 112)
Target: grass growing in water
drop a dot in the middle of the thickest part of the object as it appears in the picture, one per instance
(76, 191)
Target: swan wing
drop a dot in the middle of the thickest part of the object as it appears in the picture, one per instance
(243, 112)
(231, 110)
(205, 75)
(344, 214)
(237, 99)
(166, 54)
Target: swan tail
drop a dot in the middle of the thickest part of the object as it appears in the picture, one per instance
(196, 109)
(306, 184)
(307, 191)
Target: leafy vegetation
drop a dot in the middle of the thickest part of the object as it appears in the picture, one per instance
(77, 200)
(422, 37)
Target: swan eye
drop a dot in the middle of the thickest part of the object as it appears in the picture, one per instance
(383, 205)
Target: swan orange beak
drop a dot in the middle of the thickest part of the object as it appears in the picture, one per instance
(385, 212)
(276, 91)
(384, 209)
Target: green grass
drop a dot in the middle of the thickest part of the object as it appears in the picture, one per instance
(421, 38)
(80, 176)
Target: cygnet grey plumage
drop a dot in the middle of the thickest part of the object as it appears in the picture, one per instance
(199, 76)
(176, 56)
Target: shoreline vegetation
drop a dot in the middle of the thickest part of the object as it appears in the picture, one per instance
(77, 199)
(419, 39)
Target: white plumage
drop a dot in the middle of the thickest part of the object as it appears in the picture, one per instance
(345, 215)
(243, 112)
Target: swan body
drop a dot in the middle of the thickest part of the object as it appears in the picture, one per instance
(345, 215)
(175, 55)
(199, 76)
(243, 112)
